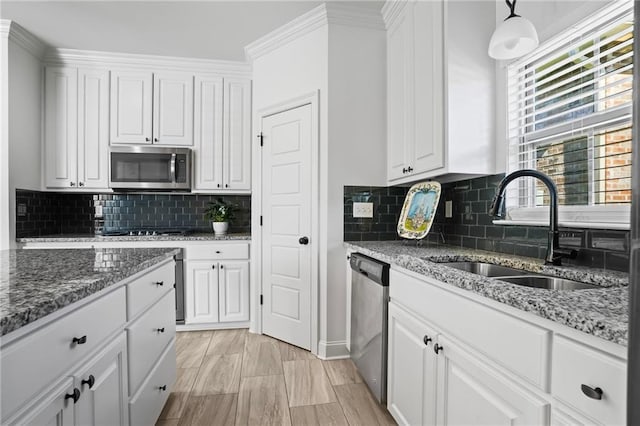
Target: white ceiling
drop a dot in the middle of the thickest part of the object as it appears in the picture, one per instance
(194, 29)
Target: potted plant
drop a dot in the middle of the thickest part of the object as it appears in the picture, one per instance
(219, 213)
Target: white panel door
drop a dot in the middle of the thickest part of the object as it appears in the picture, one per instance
(103, 384)
(428, 87)
(201, 292)
(61, 127)
(234, 291)
(172, 109)
(411, 385)
(131, 103)
(237, 137)
(286, 210)
(93, 128)
(208, 132)
(471, 393)
(399, 93)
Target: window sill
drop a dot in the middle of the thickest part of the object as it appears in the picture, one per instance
(562, 224)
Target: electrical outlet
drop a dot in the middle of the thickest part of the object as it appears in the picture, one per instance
(448, 208)
(363, 210)
(98, 211)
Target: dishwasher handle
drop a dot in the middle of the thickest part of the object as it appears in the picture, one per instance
(371, 268)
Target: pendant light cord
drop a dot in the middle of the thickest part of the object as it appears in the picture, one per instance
(512, 7)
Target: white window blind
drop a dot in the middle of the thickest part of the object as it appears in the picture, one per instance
(569, 114)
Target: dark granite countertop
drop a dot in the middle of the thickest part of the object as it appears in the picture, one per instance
(602, 312)
(35, 283)
(84, 238)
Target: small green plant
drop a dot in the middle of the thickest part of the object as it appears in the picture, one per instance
(219, 211)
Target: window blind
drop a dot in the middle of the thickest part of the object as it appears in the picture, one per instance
(569, 113)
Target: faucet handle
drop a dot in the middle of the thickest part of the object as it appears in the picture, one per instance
(566, 253)
(496, 210)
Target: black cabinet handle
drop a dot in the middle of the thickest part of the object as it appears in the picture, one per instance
(162, 388)
(218, 185)
(409, 169)
(147, 139)
(427, 339)
(226, 185)
(90, 381)
(404, 170)
(218, 252)
(159, 283)
(304, 240)
(72, 183)
(221, 266)
(591, 392)
(437, 348)
(155, 139)
(75, 395)
(213, 266)
(161, 330)
(81, 184)
(79, 340)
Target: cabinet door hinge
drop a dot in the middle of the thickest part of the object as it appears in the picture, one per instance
(261, 137)
(261, 299)
(260, 220)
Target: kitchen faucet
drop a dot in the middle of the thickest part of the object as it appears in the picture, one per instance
(497, 210)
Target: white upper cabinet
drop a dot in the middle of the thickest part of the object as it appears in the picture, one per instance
(222, 125)
(440, 85)
(76, 128)
(148, 108)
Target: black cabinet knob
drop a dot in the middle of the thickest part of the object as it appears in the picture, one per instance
(161, 330)
(221, 266)
(75, 395)
(162, 388)
(90, 381)
(79, 340)
(72, 183)
(591, 392)
(218, 252)
(409, 169)
(147, 139)
(226, 185)
(427, 339)
(81, 184)
(404, 170)
(304, 240)
(218, 185)
(155, 139)
(437, 348)
(159, 283)
(213, 266)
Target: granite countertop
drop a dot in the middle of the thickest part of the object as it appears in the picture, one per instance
(35, 283)
(602, 312)
(85, 238)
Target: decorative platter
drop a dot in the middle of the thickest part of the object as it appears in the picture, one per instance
(419, 210)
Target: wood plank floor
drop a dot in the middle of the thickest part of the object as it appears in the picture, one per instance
(233, 377)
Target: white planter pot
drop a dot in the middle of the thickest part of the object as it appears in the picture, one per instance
(220, 228)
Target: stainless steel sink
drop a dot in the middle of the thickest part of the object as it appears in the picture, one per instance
(549, 283)
(486, 269)
(519, 277)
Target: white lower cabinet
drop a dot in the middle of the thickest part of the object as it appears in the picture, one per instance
(53, 408)
(216, 286)
(441, 372)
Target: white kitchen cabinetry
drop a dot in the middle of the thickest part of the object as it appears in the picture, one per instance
(440, 85)
(151, 108)
(222, 133)
(76, 128)
(217, 283)
(52, 408)
(489, 366)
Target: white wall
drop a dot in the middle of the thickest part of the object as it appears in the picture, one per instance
(550, 18)
(5, 222)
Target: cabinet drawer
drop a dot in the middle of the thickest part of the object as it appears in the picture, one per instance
(575, 365)
(31, 363)
(145, 290)
(144, 340)
(145, 406)
(218, 252)
(517, 345)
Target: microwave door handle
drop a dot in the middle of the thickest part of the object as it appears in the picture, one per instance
(172, 167)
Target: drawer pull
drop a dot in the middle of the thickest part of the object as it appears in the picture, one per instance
(90, 381)
(161, 330)
(75, 395)
(427, 339)
(213, 266)
(79, 340)
(221, 266)
(162, 388)
(218, 252)
(591, 392)
(437, 348)
(159, 283)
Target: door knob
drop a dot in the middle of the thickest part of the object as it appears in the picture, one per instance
(304, 240)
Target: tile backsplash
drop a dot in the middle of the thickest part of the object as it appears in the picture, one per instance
(48, 213)
(472, 227)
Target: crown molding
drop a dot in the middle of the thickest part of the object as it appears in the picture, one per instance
(391, 10)
(90, 58)
(329, 13)
(23, 38)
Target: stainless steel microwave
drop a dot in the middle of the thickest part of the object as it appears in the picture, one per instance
(150, 168)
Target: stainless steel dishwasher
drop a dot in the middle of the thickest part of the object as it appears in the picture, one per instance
(369, 307)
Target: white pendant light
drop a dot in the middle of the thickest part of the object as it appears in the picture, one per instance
(515, 37)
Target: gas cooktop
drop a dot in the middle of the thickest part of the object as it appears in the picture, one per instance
(146, 232)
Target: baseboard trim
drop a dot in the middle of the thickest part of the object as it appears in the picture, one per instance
(211, 326)
(332, 350)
